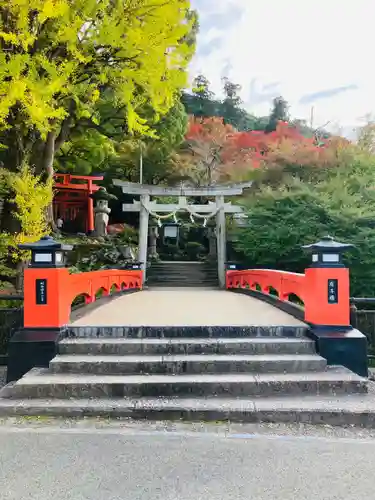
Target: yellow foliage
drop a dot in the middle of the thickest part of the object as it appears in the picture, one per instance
(31, 196)
(58, 50)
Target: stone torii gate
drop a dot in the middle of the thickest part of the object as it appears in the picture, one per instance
(217, 209)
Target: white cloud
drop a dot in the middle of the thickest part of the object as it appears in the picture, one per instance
(304, 46)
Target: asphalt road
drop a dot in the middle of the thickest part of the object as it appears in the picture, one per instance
(47, 462)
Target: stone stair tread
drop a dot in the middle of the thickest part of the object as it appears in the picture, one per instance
(354, 403)
(296, 325)
(44, 377)
(187, 340)
(181, 358)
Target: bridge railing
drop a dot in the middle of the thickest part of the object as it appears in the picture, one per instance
(267, 281)
(323, 289)
(50, 288)
(107, 282)
(49, 293)
(322, 292)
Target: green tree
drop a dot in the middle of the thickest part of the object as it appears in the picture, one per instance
(280, 112)
(201, 102)
(283, 218)
(233, 112)
(231, 105)
(86, 153)
(158, 151)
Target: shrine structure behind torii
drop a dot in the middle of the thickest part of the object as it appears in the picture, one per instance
(73, 198)
(218, 209)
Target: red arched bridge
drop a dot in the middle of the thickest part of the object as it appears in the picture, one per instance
(50, 290)
(268, 334)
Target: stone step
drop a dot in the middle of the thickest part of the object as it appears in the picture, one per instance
(183, 283)
(177, 277)
(182, 274)
(347, 410)
(198, 332)
(187, 364)
(187, 271)
(178, 274)
(181, 271)
(260, 345)
(185, 265)
(40, 383)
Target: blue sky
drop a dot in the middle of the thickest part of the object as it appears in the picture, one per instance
(314, 53)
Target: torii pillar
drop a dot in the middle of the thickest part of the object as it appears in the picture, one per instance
(221, 240)
(143, 233)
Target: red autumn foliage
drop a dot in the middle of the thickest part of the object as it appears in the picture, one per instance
(209, 130)
(207, 141)
(254, 146)
(226, 151)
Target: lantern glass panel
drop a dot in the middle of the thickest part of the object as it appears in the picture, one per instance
(331, 257)
(43, 257)
(170, 231)
(59, 257)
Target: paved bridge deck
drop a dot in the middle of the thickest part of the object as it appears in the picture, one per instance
(186, 307)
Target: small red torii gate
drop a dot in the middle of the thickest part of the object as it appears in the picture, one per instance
(72, 197)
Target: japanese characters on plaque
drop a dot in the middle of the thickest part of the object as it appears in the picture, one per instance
(41, 292)
(333, 292)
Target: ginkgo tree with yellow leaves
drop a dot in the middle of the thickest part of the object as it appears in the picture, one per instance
(59, 57)
(31, 196)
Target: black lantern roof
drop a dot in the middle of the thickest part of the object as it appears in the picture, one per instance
(102, 194)
(328, 244)
(46, 243)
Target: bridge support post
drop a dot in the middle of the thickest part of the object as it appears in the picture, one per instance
(46, 313)
(327, 308)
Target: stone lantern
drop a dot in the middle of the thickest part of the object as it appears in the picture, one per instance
(327, 252)
(241, 219)
(102, 210)
(47, 253)
(153, 238)
(171, 231)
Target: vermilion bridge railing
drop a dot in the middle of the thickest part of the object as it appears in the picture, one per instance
(50, 292)
(266, 281)
(323, 291)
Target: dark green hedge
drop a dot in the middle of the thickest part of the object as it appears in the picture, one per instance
(285, 217)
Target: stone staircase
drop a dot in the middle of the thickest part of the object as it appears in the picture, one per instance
(182, 274)
(210, 373)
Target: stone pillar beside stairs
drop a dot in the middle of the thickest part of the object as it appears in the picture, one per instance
(46, 312)
(327, 307)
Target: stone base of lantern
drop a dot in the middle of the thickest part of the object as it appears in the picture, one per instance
(345, 347)
(32, 348)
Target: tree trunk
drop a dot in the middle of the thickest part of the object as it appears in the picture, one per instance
(49, 156)
(21, 266)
